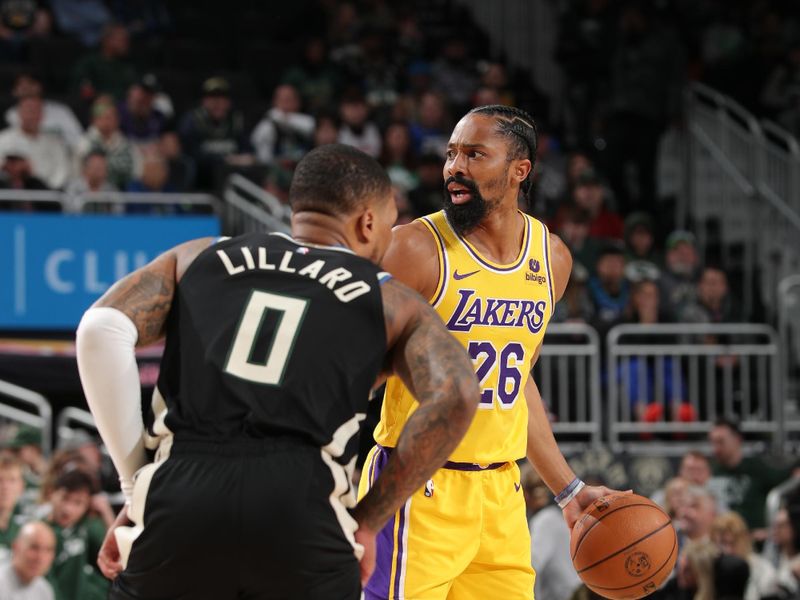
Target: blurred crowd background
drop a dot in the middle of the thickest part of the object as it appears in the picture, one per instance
(161, 97)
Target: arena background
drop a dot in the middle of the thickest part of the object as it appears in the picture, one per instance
(667, 162)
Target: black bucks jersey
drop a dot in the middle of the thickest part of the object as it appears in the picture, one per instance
(268, 337)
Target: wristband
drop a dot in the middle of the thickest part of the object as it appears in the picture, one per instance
(569, 492)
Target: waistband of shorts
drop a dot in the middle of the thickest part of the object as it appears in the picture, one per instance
(240, 446)
(459, 466)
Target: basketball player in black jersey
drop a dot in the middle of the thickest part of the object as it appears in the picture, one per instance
(273, 344)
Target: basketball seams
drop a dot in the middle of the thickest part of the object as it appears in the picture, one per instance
(657, 571)
(607, 514)
(628, 547)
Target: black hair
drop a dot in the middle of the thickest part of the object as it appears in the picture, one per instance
(520, 129)
(75, 480)
(731, 424)
(335, 179)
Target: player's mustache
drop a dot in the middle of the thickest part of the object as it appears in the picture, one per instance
(467, 183)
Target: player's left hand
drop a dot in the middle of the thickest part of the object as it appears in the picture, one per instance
(587, 495)
(366, 538)
(108, 559)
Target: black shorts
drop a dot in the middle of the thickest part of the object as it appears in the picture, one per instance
(244, 521)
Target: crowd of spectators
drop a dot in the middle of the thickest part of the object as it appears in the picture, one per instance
(737, 519)
(53, 517)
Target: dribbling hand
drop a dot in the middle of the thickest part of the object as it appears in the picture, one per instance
(366, 538)
(587, 495)
(108, 559)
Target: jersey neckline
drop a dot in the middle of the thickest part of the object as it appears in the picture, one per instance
(505, 268)
(310, 245)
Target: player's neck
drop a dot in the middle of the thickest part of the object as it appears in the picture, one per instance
(318, 229)
(499, 236)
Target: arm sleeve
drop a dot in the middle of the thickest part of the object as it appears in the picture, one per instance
(106, 341)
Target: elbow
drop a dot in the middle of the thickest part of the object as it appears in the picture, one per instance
(467, 397)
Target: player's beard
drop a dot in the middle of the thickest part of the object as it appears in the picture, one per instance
(465, 217)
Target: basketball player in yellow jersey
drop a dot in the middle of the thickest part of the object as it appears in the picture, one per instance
(493, 274)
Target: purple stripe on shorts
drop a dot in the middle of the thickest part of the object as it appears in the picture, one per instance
(399, 564)
(378, 585)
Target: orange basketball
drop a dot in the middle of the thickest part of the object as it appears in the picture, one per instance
(623, 546)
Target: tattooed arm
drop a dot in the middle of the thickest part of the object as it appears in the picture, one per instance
(133, 312)
(437, 370)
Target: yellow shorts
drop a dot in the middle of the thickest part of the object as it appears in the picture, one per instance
(463, 536)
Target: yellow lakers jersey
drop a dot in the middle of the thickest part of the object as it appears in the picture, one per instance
(499, 313)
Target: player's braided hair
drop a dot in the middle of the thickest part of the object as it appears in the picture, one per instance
(335, 179)
(520, 129)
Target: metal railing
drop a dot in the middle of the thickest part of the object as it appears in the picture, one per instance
(66, 421)
(742, 188)
(674, 381)
(110, 201)
(568, 375)
(25, 407)
(789, 332)
(251, 208)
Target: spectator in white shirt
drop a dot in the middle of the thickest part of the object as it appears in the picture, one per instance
(93, 178)
(33, 553)
(356, 129)
(47, 152)
(285, 133)
(57, 118)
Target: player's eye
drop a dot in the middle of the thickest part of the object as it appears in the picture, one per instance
(450, 155)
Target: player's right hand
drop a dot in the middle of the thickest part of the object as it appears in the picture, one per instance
(366, 538)
(108, 559)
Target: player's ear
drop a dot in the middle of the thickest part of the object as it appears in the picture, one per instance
(521, 169)
(365, 224)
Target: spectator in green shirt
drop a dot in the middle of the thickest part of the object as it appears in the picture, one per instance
(74, 574)
(106, 71)
(742, 482)
(12, 486)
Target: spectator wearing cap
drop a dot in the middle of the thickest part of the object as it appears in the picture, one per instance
(139, 119)
(213, 134)
(106, 71)
(22, 578)
(285, 133)
(47, 153)
(608, 288)
(93, 179)
(678, 280)
(27, 446)
(642, 258)
(742, 482)
(589, 194)
(356, 127)
(17, 173)
(122, 158)
(57, 118)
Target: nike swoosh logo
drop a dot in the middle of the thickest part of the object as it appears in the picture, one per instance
(458, 276)
(517, 486)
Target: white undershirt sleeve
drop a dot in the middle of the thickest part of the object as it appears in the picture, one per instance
(106, 342)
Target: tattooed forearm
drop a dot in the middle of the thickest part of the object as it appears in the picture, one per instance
(438, 371)
(145, 296)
